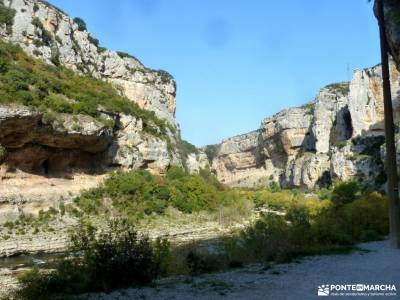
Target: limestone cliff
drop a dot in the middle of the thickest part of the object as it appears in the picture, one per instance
(336, 137)
(46, 32)
(44, 162)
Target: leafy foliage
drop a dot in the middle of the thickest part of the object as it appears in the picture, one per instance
(81, 24)
(342, 88)
(211, 152)
(311, 226)
(113, 259)
(185, 148)
(164, 75)
(125, 54)
(3, 152)
(345, 192)
(31, 82)
(6, 16)
(138, 193)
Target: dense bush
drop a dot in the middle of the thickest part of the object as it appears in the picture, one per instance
(137, 193)
(311, 226)
(60, 90)
(6, 16)
(115, 258)
(211, 152)
(164, 75)
(199, 263)
(81, 24)
(340, 88)
(345, 192)
(126, 55)
(45, 37)
(3, 152)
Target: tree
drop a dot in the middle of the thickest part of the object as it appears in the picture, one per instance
(391, 165)
(81, 24)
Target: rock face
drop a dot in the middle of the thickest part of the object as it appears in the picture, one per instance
(336, 137)
(61, 40)
(197, 161)
(36, 147)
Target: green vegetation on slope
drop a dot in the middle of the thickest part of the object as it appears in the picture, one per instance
(185, 148)
(138, 193)
(342, 88)
(59, 90)
(6, 16)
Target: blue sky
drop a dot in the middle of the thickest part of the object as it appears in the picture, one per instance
(237, 61)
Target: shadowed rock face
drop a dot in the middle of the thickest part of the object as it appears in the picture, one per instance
(33, 146)
(328, 139)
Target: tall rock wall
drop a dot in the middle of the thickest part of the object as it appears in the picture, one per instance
(45, 32)
(336, 137)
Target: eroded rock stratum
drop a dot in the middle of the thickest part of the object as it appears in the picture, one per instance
(338, 136)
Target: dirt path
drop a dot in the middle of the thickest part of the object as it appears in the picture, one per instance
(377, 264)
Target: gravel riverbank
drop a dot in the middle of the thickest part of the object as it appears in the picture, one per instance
(377, 263)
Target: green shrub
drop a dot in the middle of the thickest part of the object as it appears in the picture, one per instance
(37, 23)
(310, 227)
(7, 16)
(211, 152)
(274, 186)
(139, 193)
(94, 41)
(185, 148)
(340, 144)
(114, 259)
(49, 117)
(345, 192)
(367, 218)
(81, 24)
(340, 88)
(55, 56)
(164, 75)
(3, 152)
(125, 54)
(199, 263)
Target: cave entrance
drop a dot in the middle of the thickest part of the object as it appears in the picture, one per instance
(347, 123)
(46, 167)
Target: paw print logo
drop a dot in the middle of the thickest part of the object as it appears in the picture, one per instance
(323, 290)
